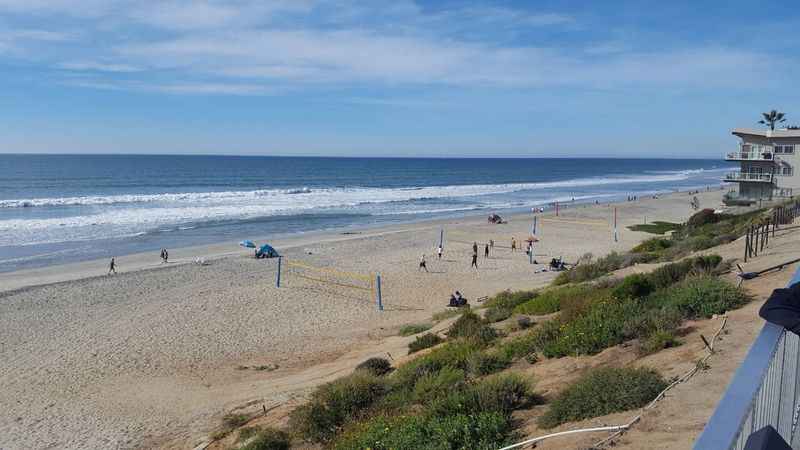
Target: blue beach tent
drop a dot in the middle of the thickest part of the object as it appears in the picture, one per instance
(248, 244)
(266, 251)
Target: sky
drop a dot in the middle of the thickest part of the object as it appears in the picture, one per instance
(393, 77)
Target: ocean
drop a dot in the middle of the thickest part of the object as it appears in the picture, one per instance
(65, 208)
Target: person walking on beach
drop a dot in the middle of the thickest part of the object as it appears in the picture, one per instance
(491, 244)
(486, 251)
(513, 245)
(475, 247)
(422, 263)
(163, 260)
(166, 256)
(439, 251)
(112, 267)
(474, 260)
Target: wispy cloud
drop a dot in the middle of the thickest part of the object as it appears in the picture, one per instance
(246, 46)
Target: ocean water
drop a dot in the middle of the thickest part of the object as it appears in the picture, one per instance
(64, 208)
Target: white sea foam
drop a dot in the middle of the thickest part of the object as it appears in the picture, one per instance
(348, 196)
(126, 215)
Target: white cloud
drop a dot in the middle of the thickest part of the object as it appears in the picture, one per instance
(249, 46)
(99, 67)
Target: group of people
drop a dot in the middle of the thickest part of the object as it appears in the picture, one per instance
(457, 300)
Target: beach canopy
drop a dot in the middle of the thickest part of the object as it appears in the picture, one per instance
(267, 251)
(248, 244)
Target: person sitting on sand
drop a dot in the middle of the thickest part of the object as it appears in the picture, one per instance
(112, 266)
(460, 300)
(422, 264)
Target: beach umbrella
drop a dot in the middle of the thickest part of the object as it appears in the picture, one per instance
(248, 244)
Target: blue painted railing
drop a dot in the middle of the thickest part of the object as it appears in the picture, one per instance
(764, 391)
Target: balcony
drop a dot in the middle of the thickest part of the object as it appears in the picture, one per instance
(750, 156)
(752, 152)
(749, 176)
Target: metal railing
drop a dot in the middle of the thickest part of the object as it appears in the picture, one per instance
(749, 176)
(764, 391)
(750, 156)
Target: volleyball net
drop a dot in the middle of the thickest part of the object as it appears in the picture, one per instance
(360, 285)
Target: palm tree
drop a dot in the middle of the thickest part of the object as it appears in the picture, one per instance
(771, 118)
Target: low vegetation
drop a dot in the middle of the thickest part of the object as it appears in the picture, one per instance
(264, 439)
(375, 366)
(657, 227)
(502, 306)
(471, 326)
(550, 300)
(415, 328)
(603, 391)
(446, 314)
(424, 341)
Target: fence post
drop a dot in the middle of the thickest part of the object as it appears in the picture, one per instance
(378, 291)
(278, 275)
(746, 244)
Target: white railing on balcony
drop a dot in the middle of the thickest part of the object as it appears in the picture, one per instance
(750, 156)
(752, 152)
(764, 391)
(749, 176)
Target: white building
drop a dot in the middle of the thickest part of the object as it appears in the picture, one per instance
(770, 162)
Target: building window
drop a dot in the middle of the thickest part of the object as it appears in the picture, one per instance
(784, 149)
(785, 192)
(786, 171)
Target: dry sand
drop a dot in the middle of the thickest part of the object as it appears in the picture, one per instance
(152, 357)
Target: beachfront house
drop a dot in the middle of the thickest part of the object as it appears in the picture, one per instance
(769, 163)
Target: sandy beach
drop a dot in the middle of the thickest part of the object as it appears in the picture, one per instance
(153, 356)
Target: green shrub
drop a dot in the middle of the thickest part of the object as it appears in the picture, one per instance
(376, 366)
(470, 326)
(633, 286)
(481, 431)
(589, 270)
(455, 354)
(414, 328)
(497, 314)
(433, 385)
(501, 306)
(486, 362)
(266, 439)
(603, 391)
(658, 341)
(509, 299)
(549, 300)
(600, 327)
(701, 297)
(427, 340)
(336, 403)
(518, 347)
(703, 217)
(651, 321)
(653, 245)
(669, 274)
(502, 394)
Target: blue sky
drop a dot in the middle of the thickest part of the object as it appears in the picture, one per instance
(394, 77)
